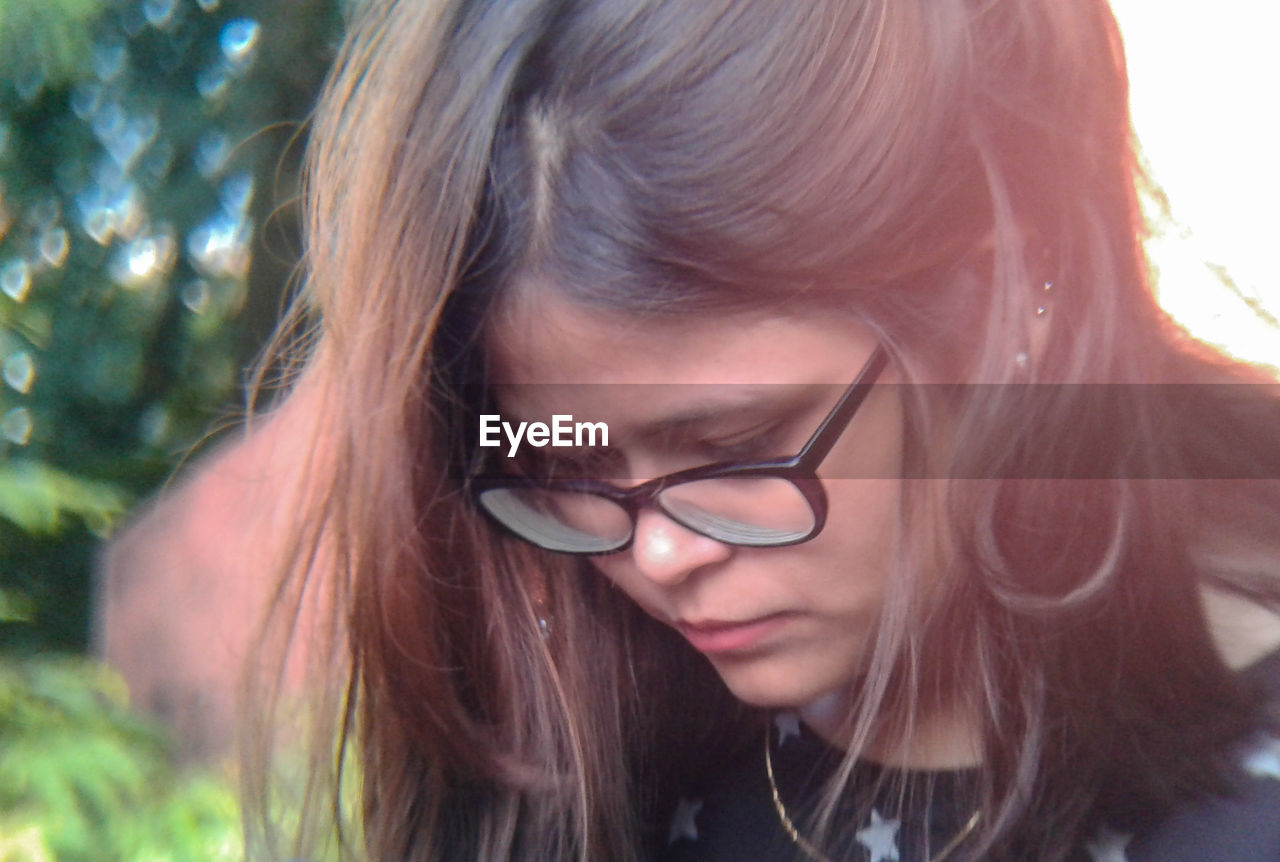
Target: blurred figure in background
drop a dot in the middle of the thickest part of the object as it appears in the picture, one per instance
(183, 589)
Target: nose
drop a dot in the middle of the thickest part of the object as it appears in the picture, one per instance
(667, 553)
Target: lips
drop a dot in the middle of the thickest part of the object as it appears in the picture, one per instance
(718, 636)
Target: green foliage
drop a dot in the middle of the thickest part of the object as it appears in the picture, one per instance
(144, 248)
(83, 779)
(145, 241)
(16, 607)
(45, 40)
(41, 502)
(38, 498)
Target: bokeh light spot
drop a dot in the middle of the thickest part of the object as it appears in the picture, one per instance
(19, 372)
(17, 425)
(238, 40)
(15, 279)
(55, 245)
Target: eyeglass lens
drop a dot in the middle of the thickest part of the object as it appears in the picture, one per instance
(747, 510)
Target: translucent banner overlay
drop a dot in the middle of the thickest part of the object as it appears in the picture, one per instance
(626, 433)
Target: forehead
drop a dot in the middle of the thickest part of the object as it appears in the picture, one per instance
(544, 338)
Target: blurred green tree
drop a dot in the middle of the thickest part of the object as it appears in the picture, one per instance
(83, 779)
(148, 160)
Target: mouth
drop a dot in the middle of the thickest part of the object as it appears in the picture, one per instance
(719, 636)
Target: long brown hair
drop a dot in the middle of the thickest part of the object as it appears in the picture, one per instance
(925, 166)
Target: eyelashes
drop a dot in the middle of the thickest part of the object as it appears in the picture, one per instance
(580, 464)
(761, 441)
(772, 438)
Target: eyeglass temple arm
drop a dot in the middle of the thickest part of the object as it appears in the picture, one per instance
(816, 449)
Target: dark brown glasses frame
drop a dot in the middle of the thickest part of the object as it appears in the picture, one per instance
(800, 469)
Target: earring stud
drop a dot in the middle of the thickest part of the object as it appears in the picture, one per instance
(1043, 308)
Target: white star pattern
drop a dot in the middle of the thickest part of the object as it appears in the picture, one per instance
(1262, 760)
(1108, 846)
(788, 724)
(683, 824)
(880, 838)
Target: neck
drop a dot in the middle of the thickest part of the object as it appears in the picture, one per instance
(940, 740)
(949, 738)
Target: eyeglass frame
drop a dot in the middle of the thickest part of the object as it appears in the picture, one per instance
(801, 470)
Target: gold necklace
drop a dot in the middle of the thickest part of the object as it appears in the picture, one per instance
(818, 856)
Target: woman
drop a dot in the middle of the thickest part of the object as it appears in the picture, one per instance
(936, 619)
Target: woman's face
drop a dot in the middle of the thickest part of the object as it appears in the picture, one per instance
(782, 626)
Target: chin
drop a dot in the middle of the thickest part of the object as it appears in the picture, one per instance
(771, 688)
(791, 679)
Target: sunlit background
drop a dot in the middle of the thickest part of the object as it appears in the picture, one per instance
(1204, 97)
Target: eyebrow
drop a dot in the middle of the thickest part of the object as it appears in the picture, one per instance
(760, 402)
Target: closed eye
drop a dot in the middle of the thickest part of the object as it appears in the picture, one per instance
(542, 464)
(765, 440)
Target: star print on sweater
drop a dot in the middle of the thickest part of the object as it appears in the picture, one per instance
(684, 821)
(730, 815)
(1262, 759)
(1109, 846)
(788, 724)
(880, 838)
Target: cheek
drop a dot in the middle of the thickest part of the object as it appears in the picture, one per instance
(862, 513)
(609, 566)
(853, 556)
(620, 570)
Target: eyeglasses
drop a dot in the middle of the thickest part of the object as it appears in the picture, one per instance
(757, 504)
